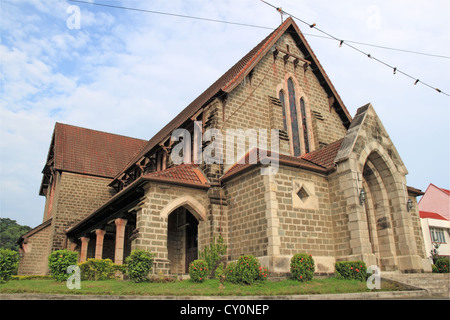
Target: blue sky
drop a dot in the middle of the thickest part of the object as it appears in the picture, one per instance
(130, 72)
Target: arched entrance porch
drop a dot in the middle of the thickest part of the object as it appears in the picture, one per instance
(379, 216)
(182, 240)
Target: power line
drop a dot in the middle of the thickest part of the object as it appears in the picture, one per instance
(343, 42)
(254, 26)
(170, 14)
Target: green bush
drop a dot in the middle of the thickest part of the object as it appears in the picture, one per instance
(231, 274)
(246, 270)
(139, 264)
(213, 254)
(59, 261)
(351, 270)
(220, 271)
(441, 265)
(9, 262)
(198, 270)
(302, 267)
(99, 269)
(263, 273)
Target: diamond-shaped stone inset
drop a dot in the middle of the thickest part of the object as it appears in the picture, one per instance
(302, 194)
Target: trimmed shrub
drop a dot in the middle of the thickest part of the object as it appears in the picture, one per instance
(302, 267)
(99, 269)
(246, 270)
(351, 270)
(198, 270)
(9, 263)
(231, 274)
(263, 273)
(139, 264)
(59, 261)
(441, 265)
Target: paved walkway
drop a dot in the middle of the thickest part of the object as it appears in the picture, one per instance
(410, 294)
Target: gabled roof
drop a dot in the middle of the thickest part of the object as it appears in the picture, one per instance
(185, 174)
(90, 152)
(324, 156)
(227, 82)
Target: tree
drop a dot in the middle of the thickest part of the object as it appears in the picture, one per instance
(10, 232)
(214, 254)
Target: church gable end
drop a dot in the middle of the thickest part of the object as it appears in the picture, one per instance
(282, 91)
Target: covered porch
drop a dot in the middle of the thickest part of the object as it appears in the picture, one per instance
(108, 232)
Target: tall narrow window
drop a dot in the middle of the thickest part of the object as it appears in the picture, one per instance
(294, 119)
(283, 107)
(304, 124)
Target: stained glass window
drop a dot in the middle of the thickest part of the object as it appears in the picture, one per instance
(294, 119)
(283, 107)
(304, 124)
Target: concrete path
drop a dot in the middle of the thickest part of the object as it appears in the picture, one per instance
(410, 294)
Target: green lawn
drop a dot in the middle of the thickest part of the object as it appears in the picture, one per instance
(188, 288)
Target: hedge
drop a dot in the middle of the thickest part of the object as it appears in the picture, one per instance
(198, 270)
(351, 270)
(441, 265)
(9, 263)
(245, 270)
(99, 269)
(59, 261)
(302, 267)
(139, 264)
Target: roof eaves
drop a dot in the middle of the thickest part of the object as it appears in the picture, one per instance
(177, 182)
(34, 230)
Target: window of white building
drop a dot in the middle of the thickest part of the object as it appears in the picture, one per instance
(437, 235)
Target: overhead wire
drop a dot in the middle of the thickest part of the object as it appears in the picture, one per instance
(343, 42)
(253, 26)
(281, 11)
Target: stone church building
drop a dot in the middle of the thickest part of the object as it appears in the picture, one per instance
(338, 189)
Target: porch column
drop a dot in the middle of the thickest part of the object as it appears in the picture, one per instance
(120, 239)
(99, 243)
(84, 248)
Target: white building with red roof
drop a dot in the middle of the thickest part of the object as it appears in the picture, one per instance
(434, 209)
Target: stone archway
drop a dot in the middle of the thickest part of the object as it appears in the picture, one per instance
(194, 206)
(379, 218)
(183, 216)
(388, 224)
(182, 240)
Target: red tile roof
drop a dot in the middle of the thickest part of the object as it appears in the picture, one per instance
(325, 156)
(253, 158)
(92, 152)
(233, 77)
(184, 174)
(431, 215)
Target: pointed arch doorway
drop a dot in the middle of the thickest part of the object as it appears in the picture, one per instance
(182, 240)
(378, 212)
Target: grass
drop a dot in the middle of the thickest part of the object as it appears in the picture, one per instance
(188, 288)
